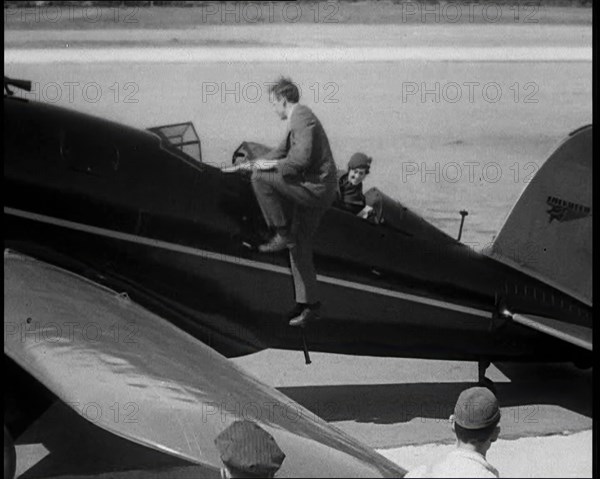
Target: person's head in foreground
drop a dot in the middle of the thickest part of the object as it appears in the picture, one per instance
(247, 450)
(283, 95)
(476, 424)
(358, 168)
(476, 419)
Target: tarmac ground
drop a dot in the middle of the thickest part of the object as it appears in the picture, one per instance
(401, 406)
(398, 406)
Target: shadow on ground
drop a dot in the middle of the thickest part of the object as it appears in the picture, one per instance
(81, 448)
(540, 399)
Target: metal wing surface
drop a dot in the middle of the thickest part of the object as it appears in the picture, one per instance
(88, 344)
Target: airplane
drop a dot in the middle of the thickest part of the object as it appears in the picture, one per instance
(159, 388)
(143, 213)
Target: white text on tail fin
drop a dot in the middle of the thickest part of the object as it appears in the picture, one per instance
(548, 233)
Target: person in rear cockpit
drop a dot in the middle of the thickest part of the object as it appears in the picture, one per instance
(350, 195)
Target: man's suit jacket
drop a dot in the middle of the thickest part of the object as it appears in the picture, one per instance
(305, 155)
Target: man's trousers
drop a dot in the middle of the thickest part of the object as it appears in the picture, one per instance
(292, 207)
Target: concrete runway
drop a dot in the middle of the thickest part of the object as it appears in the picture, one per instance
(401, 406)
(389, 402)
(548, 456)
(309, 35)
(398, 406)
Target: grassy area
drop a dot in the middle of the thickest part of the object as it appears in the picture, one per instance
(75, 17)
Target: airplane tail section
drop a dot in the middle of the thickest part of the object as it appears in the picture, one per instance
(548, 233)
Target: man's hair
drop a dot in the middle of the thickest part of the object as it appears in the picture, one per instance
(472, 436)
(285, 88)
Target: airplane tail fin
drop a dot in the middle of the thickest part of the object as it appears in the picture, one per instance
(548, 233)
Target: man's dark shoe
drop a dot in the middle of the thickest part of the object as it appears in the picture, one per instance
(295, 311)
(277, 243)
(308, 313)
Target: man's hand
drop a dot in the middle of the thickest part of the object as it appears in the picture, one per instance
(264, 165)
(261, 164)
(366, 212)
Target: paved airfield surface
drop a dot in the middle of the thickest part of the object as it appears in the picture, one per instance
(401, 406)
(398, 406)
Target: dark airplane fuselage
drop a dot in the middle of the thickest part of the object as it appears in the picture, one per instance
(120, 206)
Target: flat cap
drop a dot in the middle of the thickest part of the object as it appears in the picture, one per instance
(476, 408)
(359, 160)
(245, 446)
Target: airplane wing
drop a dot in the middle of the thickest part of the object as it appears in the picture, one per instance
(571, 333)
(90, 345)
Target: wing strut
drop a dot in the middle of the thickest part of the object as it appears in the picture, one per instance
(305, 347)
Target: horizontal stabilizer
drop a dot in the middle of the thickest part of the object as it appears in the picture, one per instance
(571, 333)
